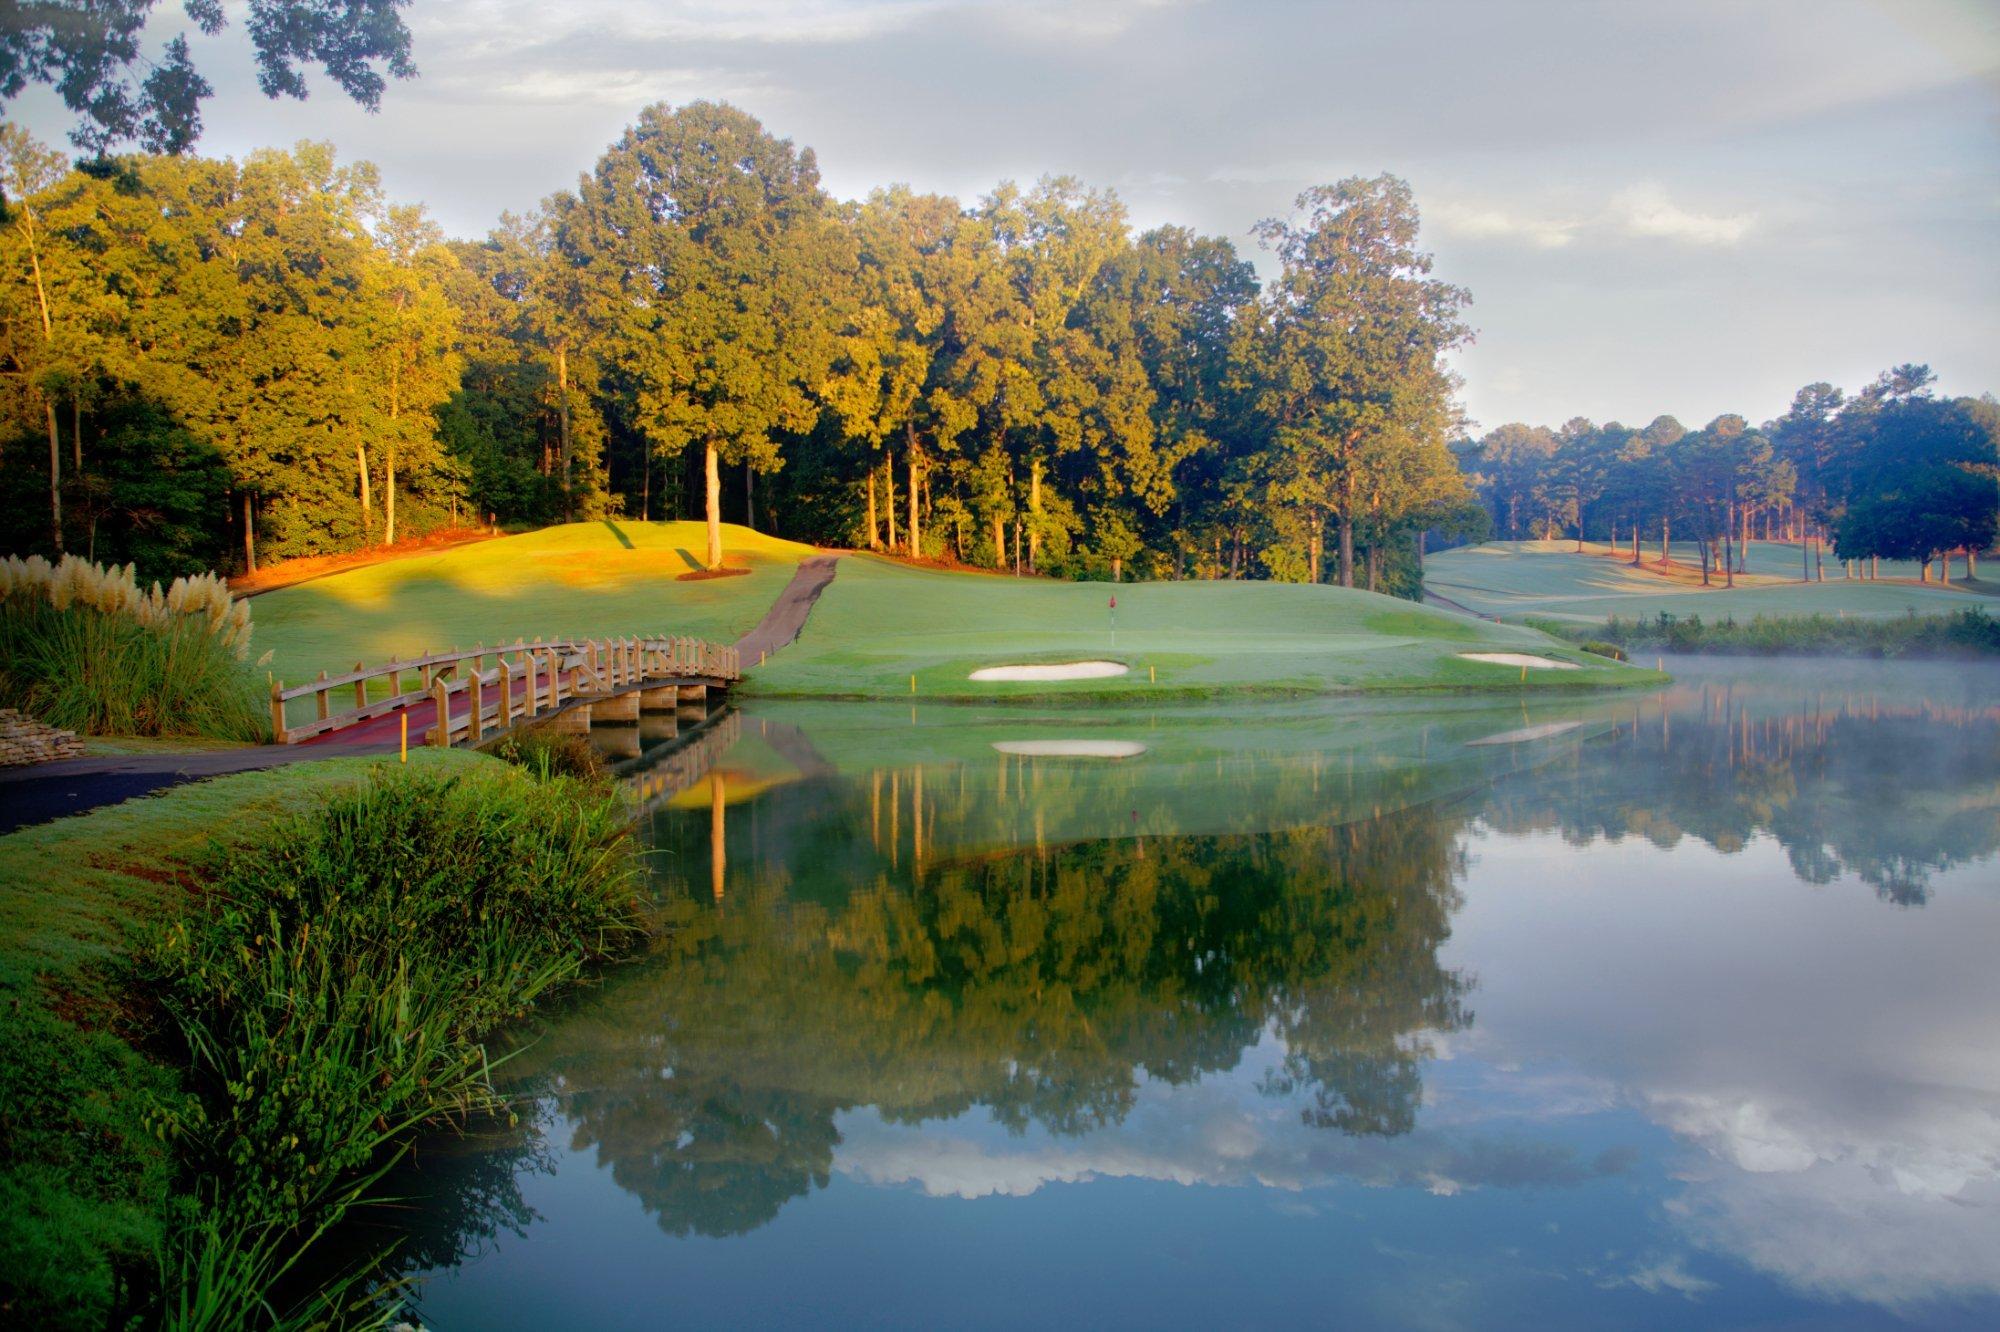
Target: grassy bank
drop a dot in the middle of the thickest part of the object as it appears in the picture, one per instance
(580, 579)
(880, 623)
(231, 1002)
(1547, 580)
(1964, 633)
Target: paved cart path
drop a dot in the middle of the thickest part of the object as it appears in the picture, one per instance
(781, 624)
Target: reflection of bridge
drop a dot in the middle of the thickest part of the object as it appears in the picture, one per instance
(458, 696)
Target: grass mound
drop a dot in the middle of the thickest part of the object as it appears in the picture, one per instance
(258, 1025)
(878, 624)
(580, 579)
(84, 648)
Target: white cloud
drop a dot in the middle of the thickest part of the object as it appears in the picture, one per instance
(1662, 1275)
(1477, 222)
(1645, 210)
(1641, 212)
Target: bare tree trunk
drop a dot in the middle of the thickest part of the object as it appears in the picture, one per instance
(916, 496)
(76, 432)
(999, 542)
(562, 423)
(1971, 564)
(712, 476)
(1346, 550)
(1728, 558)
(874, 527)
(367, 504)
(1312, 551)
(749, 495)
(1666, 542)
(1924, 569)
(389, 498)
(1874, 568)
(1944, 568)
(55, 478)
(889, 480)
(1034, 515)
(249, 533)
(1375, 572)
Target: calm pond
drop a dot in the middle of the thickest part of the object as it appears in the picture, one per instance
(1648, 1011)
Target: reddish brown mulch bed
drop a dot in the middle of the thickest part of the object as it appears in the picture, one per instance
(285, 573)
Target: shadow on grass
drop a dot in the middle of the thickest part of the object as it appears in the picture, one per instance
(616, 531)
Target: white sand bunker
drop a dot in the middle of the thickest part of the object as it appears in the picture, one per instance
(1527, 659)
(1053, 670)
(1526, 733)
(1111, 749)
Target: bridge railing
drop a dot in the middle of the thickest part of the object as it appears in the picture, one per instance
(525, 680)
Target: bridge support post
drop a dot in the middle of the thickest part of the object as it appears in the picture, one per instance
(617, 707)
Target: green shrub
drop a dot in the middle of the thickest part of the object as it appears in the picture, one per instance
(550, 754)
(335, 988)
(84, 648)
(1600, 648)
(1966, 633)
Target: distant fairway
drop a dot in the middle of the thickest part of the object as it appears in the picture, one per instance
(880, 622)
(1517, 579)
(580, 579)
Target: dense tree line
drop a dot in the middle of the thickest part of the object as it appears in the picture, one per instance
(1893, 472)
(212, 360)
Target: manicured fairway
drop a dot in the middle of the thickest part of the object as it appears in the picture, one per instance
(581, 579)
(1516, 579)
(880, 623)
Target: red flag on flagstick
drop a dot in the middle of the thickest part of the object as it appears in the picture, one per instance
(1114, 603)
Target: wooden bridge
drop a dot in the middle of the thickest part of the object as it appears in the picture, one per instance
(458, 696)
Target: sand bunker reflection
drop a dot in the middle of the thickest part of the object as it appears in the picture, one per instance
(1111, 749)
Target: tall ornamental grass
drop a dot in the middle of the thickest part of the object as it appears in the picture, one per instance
(336, 989)
(84, 647)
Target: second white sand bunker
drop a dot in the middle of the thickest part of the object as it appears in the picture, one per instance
(1527, 659)
(1053, 670)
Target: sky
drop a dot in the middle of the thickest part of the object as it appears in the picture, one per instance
(1691, 207)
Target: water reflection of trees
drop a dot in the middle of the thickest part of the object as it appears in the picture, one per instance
(1891, 794)
(1042, 985)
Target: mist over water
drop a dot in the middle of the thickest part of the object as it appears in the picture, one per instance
(1651, 1010)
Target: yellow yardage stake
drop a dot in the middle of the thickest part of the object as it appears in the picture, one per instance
(406, 737)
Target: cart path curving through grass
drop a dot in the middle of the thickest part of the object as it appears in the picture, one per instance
(782, 624)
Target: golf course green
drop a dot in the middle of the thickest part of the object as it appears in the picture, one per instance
(1516, 579)
(884, 630)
